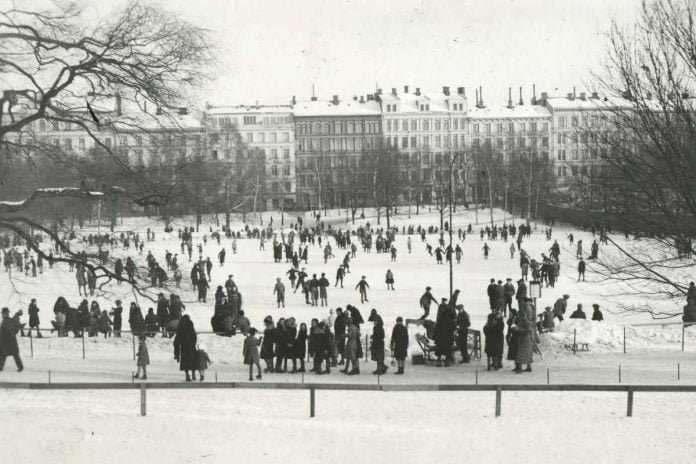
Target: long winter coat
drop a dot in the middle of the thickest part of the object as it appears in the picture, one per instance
(185, 345)
(251, 349)
(377, 351)
(33, 315)
(494, 337)
(524, 353)
(300, 345)
(444, 331)
(143, 355)
(8, 336)
(511, 338)
(399, 342)
(352, 342)
(281, 341)
(268, 341)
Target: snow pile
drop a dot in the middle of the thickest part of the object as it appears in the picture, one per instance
(602, 336)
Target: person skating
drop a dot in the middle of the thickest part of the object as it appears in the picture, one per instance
(340, 274)
(362, 287)
(399, 344)
(581, 270)
(389, 279)
(486, 249)
(425, 301)
(34, 318)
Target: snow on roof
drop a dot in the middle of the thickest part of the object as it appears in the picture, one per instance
(245, 109)
(588, 104)
(343, 108)
(518, 111)
(168, 121)
(410, 102)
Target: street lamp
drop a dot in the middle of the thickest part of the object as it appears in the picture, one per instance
(534, 292)
(451, 189)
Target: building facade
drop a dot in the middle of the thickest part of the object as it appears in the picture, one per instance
(333, 142)
(267, 128)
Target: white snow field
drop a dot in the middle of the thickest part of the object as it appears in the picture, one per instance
(273, 425)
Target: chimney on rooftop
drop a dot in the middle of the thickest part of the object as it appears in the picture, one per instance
(521, 101)
(293, 101)
(595, 95)
(183, 110)
(119, 108)
(573, 92)
(445, 90)
(534, 100)
(379, 91)
(583, 96)
(335, 100)
(314, 98)
(355, 98)
(481, 97)
(418, 91)
(362, 99)
(477, 99)
(393, 90)
(370, 97)
(460, 91)
(570, 95)
(405, 88)
(509, 105)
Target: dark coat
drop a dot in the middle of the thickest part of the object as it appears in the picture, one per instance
(185, 345)
(378, 335)
(267, 344)
(290, 336)
(281, 340)
(300, 345)
(399, 342)
(8, 336)
(162, 312)
(33, 315)
(444, 331)
(494, 337)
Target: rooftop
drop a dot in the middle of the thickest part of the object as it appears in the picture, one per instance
(343, 108)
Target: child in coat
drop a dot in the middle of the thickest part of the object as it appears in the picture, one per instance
(143, 357)
(251, 353)
(203, 360)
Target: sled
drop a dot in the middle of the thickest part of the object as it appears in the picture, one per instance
(575, 347)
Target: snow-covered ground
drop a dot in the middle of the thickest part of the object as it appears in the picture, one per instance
(214, 425)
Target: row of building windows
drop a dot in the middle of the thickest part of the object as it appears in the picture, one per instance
(392, 108)
(271, 137)
(509, 127)
(510, 143)
(350, 144)
(339, 127)
(424, 125)
(426, 141)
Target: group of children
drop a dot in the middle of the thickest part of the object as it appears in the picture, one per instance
(143, 359)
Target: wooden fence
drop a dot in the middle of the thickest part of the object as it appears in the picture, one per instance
(313, 387)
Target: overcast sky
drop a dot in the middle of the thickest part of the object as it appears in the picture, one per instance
(271, 50)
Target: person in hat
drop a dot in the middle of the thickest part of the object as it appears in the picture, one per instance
(8, 338)
(425, 301)
(596, 313)
(267, 342)
(363, 286)
(204, 360)
(117, 312)
(521, 292)
(509, 289)
(378, 343)
(279, 291)
(251, 353)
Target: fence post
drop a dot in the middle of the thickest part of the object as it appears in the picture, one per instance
(83, 344)
(678, 371)
(575, 342)
(143, 399)
(49, 376)
(629, 406)
(31, 343)
(133, 340)
(476, 376)
(548, 376)
(311, 402)
(624, 339)
(683, 333)
(498, 400)
(619, 373)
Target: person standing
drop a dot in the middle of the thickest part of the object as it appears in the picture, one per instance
(279, 292)
(494, 332)
(351, 351)
(323, 286)
(560, 306)
(117, 312)
(524, 354)
(444, 333)
(378, 345)
(251, 354)
(596, 313)
(34, 318)
(399, 344)
(135, 319)
(463, 324)
(185, 347)
(509, 288)
(486, 249)
(362, 287)
(8, 338)
(143, 357)
(581, 270)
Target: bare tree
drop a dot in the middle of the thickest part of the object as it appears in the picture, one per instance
(58, 72)
(647, 171)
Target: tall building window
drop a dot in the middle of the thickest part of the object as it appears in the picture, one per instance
(404, 142)
(426, 125)
(250, 137)
(413, 142)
